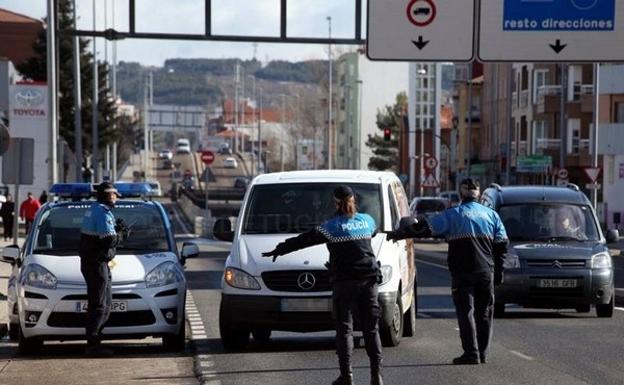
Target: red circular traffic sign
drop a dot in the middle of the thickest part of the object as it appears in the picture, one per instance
(421, 12)
(207, 157)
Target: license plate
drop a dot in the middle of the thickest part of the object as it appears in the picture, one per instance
(557, 283)
(306, 304)
(116, 306)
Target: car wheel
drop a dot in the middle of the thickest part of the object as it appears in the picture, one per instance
(28, 345)
(13, 331)
(409, 318)
(605, 310)
(261, 335)
(233, 337)
(175, 342)
(391, 333)
(583, 308)
(499, 310)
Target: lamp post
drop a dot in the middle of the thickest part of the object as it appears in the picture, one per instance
(453, 165)
(330, 101)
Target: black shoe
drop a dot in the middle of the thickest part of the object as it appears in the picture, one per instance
(98, 351)
(344, 379)
(483, 358)
(376, 379)
(466, 360)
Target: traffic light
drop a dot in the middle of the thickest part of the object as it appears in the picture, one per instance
(387, 133)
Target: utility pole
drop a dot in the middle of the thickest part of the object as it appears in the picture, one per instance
(562, 119)
(95, 159)
(77, 102)
(469, 131)
(330, 101)
(52, 94)
(594, 191)
(510, 129)
(145, 127)
(236, 83)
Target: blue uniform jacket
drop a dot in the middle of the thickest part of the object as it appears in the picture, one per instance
(98, 238)
(349, 243)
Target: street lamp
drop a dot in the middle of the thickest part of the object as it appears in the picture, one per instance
(329, 123)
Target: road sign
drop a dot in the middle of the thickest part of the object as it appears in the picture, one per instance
(562, 173)
(551, 30)
(207, 157)
(421, 30)
(431, 162)
(430, 181)
(593, 186)
(592, 173)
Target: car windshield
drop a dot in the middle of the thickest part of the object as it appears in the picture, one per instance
(297, 207)
(58, 231)
(430, 205)
(549, 222)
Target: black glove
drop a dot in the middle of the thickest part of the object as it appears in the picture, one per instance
(121, 228)
(498, 277)
(392, 236)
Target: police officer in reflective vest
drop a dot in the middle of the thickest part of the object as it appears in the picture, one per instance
(99, 236)
(355, 274)
(477, 245)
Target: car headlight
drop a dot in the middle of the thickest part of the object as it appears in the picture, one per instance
(386, 274)
(239, 279)
(512, 261)
(601, 261)
(38, 276)
(164, 274)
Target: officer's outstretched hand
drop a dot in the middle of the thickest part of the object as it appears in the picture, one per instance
(392, 236)
(273, 253)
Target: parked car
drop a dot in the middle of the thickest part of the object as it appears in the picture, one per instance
(47, 295)
(230, 162)
(558, 257)
(259, 296)
(428, 206)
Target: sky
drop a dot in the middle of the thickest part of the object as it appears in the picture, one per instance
(306, 18)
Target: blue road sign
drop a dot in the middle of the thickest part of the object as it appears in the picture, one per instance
(559, 15)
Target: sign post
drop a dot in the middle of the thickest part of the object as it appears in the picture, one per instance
(207, 158)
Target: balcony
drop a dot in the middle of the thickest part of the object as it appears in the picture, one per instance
(524, 99)
(548, 99)
(547, 144)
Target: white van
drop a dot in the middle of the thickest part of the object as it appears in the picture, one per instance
(294, 293)
(183, 146)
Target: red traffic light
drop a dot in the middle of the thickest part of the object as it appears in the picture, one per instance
(387, 133)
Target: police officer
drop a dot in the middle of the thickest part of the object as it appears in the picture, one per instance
(355, 274)
(477, 245)
(99, 236)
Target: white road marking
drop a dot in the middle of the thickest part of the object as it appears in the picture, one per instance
(202, 362)
(619, 308)
(432, 264)
(528, 358)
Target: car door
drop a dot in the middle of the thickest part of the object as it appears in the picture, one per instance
(399, 208)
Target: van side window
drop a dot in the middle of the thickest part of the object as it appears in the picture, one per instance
(394, 214)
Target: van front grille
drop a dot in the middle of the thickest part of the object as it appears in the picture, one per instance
(556, 263)
(303, 281)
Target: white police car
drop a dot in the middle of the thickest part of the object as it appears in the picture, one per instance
(47, 295)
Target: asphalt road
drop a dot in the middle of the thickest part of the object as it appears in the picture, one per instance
(529, 347)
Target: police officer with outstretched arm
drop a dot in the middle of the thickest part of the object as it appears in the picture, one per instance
(477, 245)
(355, 274)
(99, 236)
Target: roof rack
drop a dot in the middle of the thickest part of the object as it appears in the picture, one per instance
(496, 186)
(573, 186)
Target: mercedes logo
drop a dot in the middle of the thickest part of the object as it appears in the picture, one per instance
(557, 264)
(306, 281)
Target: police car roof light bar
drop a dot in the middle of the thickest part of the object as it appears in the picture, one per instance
(72, 190)
(127, 189)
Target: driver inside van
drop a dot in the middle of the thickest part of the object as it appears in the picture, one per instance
(566, 225)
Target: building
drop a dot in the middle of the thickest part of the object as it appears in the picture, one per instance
(363, 89)
(17, 34)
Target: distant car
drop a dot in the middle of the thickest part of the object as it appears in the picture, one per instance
(183, 148)
(230, 162)
(224, 148)
(428, 206)
(165, 154)
(452, 196)
(156, 189)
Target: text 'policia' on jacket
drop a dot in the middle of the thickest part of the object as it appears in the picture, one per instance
(98, 238)
(348, 242)
(472, 242)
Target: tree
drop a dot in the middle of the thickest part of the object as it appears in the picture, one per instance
(34, 69)
(387, 152)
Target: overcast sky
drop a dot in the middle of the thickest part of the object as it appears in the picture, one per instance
(236, 17)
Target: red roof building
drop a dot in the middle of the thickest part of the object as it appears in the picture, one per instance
(17, 34)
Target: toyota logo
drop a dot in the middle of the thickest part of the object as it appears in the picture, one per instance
(557, 264)
(29, 98)
(306, 281)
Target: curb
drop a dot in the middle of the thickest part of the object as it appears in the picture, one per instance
(203, 362)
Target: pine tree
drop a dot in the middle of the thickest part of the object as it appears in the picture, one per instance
(35, 69)
(387, 152)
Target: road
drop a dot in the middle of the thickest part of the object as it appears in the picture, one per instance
(529, 347)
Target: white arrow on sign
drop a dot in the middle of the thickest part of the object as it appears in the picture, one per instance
(592, 173)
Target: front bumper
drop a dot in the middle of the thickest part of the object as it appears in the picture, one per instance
(594, 286)
(58, 315)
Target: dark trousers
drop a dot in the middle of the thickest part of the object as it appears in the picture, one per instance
(99, 295)
(359, 297)
(473, 294)
(7, 223)
(29, 223)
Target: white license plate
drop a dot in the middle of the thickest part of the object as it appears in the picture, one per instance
(557, 283)
(306, 304)
(116, 306)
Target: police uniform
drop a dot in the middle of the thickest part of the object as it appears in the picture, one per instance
(477, 243)
(356, 275)
(98, 240)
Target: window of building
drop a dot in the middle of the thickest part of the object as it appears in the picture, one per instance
(539, 81)
(619, 112)
(574, 135)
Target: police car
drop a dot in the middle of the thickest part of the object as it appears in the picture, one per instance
(47, 295)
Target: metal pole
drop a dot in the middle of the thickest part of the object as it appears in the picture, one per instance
(236, 107)
(94, 112)
(594, 191)
(282, 157)
(206, 210)
(114, 174)
(469, 131)
(16, 198)
(330, 101)
(114, 85)
(260, 134)
(510, 83)
(52, 93)
(436, 116)
(562, 120)
(77, 102)
(411, 131)
(145, 128)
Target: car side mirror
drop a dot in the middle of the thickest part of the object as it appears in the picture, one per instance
(189, 250)
(613, 236)
(10, 254)
(222, 230)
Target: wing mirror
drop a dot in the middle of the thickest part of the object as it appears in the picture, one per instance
(613, 236)
(222, 230)
(10, 254)
(189, 250)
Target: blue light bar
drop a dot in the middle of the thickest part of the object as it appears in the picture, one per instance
(72, 190)
(133, 189)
